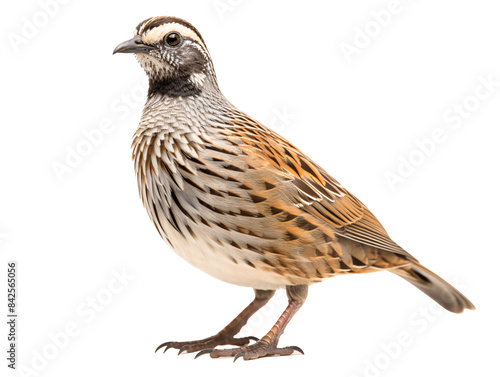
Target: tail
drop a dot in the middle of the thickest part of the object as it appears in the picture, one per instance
(436, 288)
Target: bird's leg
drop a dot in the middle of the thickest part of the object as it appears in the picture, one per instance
(268, 345)
(226, 335)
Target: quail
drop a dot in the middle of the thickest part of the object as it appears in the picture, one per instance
(241, 203)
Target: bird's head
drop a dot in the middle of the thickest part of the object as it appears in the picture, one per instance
(173, 54)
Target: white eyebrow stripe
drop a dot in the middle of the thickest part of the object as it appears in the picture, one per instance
(144, 24)
(156, 34)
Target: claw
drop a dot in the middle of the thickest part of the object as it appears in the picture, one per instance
(183, 350)
(238, 355)
(254, 338)
(166, 344)
(296, 350)
(203, 352)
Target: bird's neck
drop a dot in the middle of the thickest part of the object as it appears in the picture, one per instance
(181, 86)
(188, 85)
(197, 112)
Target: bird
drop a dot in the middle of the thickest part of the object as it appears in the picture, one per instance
(240, 202)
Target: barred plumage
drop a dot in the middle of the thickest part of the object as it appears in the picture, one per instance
(240, 202)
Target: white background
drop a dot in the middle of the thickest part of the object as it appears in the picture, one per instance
(356, 117)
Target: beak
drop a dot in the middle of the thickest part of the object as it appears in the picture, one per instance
(134, 45)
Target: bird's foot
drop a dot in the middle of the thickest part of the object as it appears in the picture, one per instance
(210, 342)
(254, 351)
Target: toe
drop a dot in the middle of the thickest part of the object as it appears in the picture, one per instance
(167, 345)
(204, 352)
(296, 350)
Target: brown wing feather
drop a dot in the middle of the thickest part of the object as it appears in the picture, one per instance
(316, 191)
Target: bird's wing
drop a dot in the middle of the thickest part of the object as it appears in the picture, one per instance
(315, 191)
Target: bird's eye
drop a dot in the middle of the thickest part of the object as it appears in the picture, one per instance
(173, 39)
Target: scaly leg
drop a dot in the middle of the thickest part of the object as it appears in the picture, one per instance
(226, 335)
(268, 345)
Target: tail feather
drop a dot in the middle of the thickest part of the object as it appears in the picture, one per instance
(436, 288)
